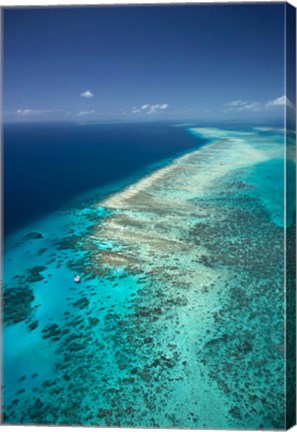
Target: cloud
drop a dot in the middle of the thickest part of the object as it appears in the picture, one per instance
(149, 109)
(237, 103)
(153, 108)
(250, 106)
(87, 94)
(83, 113)
(25, 112)
(28, 112)
(240, 105)
(281, 101)
(156, 108)
(136, 110)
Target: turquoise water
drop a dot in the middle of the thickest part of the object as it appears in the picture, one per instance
(178, 318)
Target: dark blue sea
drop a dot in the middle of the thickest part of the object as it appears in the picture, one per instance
(48, 165)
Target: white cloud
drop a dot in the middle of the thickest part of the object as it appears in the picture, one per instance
(87, 94)
(25, 112)
(250, 106)
(236, 103)
(153, 108)
(28, 112)
(136, 110)
(83, 113)
(149, 109)
(240, 105)
(281, 101)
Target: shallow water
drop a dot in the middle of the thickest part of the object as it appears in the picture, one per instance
(178, 319)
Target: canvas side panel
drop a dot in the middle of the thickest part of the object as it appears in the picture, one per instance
(290, 126)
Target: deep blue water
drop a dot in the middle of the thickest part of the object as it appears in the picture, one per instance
(47, 165)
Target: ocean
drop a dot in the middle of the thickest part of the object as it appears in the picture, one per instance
(46, 166)
(177, 234)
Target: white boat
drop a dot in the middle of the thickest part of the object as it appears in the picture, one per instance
(77, 279)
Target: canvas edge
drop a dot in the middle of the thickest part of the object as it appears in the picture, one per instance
(290, 226)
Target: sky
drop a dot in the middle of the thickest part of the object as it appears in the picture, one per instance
(144, 63)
